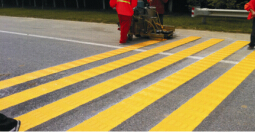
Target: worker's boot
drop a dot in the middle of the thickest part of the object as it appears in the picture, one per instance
(252, 43)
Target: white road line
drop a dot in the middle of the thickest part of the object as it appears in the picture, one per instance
(97, 44)
(60, 39)
(200, 58)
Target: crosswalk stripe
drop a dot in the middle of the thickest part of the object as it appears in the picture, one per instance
(44, 72)
(82, 97)
(115, 115)
(193, 112)
(66, 81)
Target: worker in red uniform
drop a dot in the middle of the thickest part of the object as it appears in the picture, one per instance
(251, 8)
(160, 7)
(125, 12)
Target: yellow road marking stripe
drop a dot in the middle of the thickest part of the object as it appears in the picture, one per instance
(77, 99)
(112, 117)
(66, 81)
(115, 115)
(44, 72)
(193, 112)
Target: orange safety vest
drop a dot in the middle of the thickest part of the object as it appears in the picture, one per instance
(124, 7)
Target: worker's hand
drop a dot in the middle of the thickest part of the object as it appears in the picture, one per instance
(252, 12)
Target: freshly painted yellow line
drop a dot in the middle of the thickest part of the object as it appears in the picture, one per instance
(66, 81)
(46, 113)
(112, 117)
(193, 112)
(115, 115)
(44, 72)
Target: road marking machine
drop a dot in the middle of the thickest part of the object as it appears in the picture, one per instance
(146, 23)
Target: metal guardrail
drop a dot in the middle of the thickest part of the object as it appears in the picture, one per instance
(205, 12)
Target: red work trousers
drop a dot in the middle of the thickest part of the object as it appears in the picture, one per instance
(125, 22)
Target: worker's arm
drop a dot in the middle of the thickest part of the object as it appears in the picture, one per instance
(113, 3)
(133, 3)
(250, 5)
(252, 12)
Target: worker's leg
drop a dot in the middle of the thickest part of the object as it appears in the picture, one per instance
(161, 18)
(252, 43)
(125, 22)
(7, 124)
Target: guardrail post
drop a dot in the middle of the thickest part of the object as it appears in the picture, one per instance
(64, 3)
(170, 5)
(17, 3)
(54, 3)
(204, 20)
(22, 3)
(2, 1)
(34, 3)
(77, 4)
(29, 2)
(42, 3)
(104, 4)
(84, 3)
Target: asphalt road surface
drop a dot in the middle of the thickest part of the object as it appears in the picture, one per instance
(75, 76)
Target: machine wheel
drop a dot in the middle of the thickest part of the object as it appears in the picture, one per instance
(130, 37)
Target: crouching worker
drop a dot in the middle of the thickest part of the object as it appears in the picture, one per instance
(125, 12)
(160, 7)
